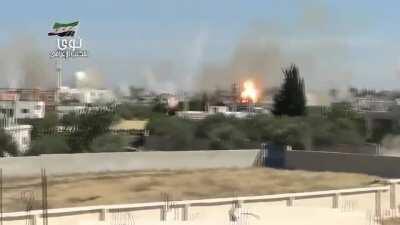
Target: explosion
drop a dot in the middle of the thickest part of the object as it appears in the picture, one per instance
(249, 92)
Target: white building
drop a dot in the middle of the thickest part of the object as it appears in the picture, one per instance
(87, 95)
(217, 109)
(372, 104)
(23, 109)
(223, 110)
(63, 110)
(21, 135)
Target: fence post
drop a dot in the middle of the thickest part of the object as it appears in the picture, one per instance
(290, 202)
(186, 212)
(103, 214)
(163, 213)
(336, 201)
(34, 219)
(378, 203)
(393, 197)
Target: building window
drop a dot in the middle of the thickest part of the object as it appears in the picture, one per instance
(24, 111)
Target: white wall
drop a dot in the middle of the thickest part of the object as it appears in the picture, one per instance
(125, 161)
(323, 207)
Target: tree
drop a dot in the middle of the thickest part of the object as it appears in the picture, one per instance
(7, 146)
(49, 145)
(87, 126)
(291, 99)
(108, 143)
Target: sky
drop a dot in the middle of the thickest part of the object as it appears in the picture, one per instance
(169, 44)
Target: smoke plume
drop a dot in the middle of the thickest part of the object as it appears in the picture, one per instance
(23, 64)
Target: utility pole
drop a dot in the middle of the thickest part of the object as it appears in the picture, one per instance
(44, 197)
(1, 196)
(59, 73)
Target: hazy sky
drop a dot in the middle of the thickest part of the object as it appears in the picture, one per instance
(168, 42)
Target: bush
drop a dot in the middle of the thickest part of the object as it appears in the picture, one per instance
(49, 145)
(222, 132)
(130, 111)
(176, 133)
(86, 127)
(109, 143)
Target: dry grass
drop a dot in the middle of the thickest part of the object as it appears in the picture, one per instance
(145, 186)
(392, 222)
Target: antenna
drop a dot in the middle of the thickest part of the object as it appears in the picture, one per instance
(59, 72)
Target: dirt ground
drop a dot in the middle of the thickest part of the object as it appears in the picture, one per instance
(392, 222)
(147, 186)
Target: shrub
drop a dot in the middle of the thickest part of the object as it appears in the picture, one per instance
(109, 143)
(49, 145)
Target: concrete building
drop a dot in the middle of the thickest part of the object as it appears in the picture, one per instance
(213, 110)
(48, 96)
(21, 135)
(63, 110)
(86, 95)
(23, 109)
(372, 104)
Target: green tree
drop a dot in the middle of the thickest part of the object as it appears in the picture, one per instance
(87, 126)
(291, 99)
(7, 146)
(108, 143)
(49, 145)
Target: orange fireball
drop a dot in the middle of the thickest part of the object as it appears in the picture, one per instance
(249, 91)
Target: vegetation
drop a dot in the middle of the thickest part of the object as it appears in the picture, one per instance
(109, 143)
(290, 125)
(221, 132)
(49, 145)
(85, 127)
(145, 186)
(291, 99)
(393, 221)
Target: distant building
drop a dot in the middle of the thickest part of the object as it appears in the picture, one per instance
(20, 134)
(63, 110)
(86, 95)
(223, 110)
(192, 115)
(217, 109)
(49, 97)
(23, 109)
(372, 104)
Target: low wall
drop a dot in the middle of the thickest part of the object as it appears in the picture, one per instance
(374, 201)
(126, 161)
(385, 166)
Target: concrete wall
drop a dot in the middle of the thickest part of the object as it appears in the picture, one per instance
(385, 166)
(349, 206)
(126, 161)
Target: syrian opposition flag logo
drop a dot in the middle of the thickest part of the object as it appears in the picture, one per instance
(64, 29)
